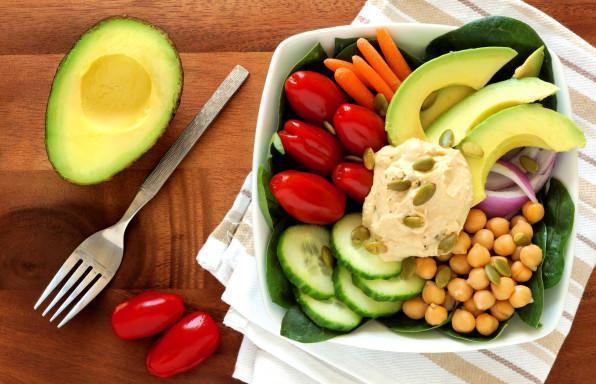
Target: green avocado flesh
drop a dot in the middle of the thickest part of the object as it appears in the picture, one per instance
(532, 66)
(528, 125)
(112, 97)
(445, 99)
(494, 97)
(470, 67)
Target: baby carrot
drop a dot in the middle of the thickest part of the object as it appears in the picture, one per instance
(373, 77)
(350, 83)
(334, 64)
(377, 62)
(392, 54)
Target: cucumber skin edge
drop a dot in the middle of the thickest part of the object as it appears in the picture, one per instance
(375, 296)
(320, 321)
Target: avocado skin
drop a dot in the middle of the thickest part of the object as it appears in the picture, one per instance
(98, 25)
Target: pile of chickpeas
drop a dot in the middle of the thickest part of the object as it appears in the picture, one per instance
(481, 278)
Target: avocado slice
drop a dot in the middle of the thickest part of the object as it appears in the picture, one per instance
(113, 96)
(470, 67)
(527, 125)
(532, 66)
(494, 97)
(445, 99)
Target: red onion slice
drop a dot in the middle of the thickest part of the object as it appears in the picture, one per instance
(513, 172)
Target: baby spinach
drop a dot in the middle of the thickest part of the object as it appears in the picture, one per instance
(474, 336)
(400, 323)
(270, 208)
(297, 326)
(496, 31)
(280, 289)
(532, 313)
(345, 48)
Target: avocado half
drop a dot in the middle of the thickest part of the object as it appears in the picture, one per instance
(113, 96)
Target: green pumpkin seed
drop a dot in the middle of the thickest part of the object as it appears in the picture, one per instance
(424, 193)
(472, 149)
(359, 235)
(521, 238)
(500, 264)
(424, 165)
(353, 158)
(492, 274)
(326, 256)
(369, 159)
(329, 127)
(414, 221)
(447, 139)
(380, 104)
(447, 244)
(408, 267)
(443, 276)
(529, 164)
(430, 100)
(399, 185)
(375, 247)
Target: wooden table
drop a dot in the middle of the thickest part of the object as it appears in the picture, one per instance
(42, 217)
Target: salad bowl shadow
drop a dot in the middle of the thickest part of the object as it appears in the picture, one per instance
(413, 38)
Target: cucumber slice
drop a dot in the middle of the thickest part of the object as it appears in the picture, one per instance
(300, 255)
(393, 289)
(357, 259)
(330, 313)
(357, 300)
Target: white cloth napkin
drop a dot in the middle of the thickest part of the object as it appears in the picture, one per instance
(266, 357)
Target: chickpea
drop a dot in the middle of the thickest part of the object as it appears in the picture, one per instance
(504, 245)
(521, 296)
(531, 256)
(504, 289)
(459, 289)
(426, 267)
(515, 255)
(522, 227)
(463, 321)
(449, 303)
(477, 279)
(498, 226)
(483, 299)
(414, 308)
(533, 212)
(431, 294)
(485, 238)
(520, 273)
(459, 264)
(435, 314)
(516, 219)
(475, 221)
(502, 310)
(486, 324)
(478, 256)
(463, 244)
(444, 257)
(470, 306)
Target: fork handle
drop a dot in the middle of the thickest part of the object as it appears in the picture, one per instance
(186, 140)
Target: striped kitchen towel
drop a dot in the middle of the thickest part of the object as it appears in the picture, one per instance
(265, 357)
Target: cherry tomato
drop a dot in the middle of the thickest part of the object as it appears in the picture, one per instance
(184, 346)
(354, 179)
(146, 314)
(313, 96)
(359, 128)
(315, 148)
(308, 197)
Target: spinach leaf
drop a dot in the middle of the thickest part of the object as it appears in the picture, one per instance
(346, 48)
(341, 43)
(532, 313)
(271, 209)
(278, 285)
(497, 31)
(474, 336)
(297, 326)
(400, 323)
(559, 212)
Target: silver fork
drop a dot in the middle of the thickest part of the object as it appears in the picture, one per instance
(95, 261)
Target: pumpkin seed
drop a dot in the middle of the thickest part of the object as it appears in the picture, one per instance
(375, 247)
(368, 157)
(492, 274)
(430, 100)
(447, 139)
(353, 158)
(399, 185)
(329, 127)
(380, 104)
(500, 264)
(443, 276)
(424, 193)
(408, 267)
(326, 256)
(472, 149)
(447, 244)
(424, 165)
(529, 164)
(359, 235)
(414, 221)
(521, 238)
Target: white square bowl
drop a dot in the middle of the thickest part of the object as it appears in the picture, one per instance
(413, 38)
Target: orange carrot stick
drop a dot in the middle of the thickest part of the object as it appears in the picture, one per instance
(334, 64)
(350, 83)
(373, 77)
(392, 54)
(377, 62)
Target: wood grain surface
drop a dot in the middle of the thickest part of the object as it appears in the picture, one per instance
(42, 217)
